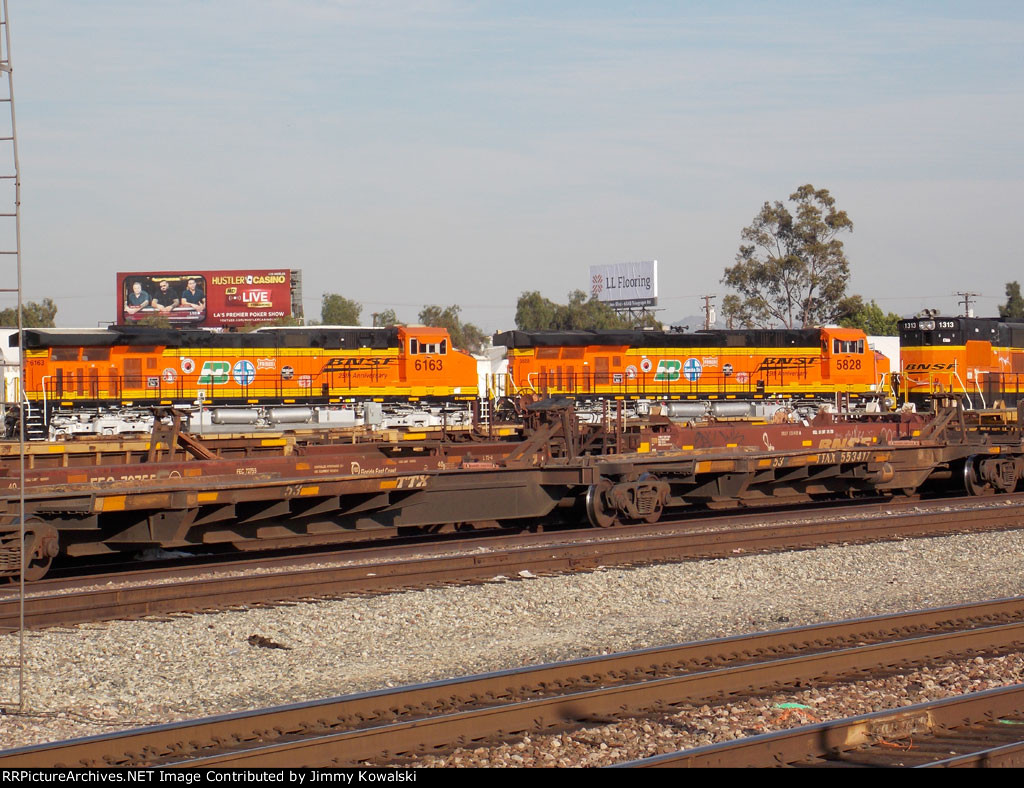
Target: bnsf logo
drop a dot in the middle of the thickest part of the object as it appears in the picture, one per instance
(359, 362)
(927, 367)
(774, 362)
(214, 373)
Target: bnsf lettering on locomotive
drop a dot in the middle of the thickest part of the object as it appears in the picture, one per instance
(774, 362)
(926, 367)
(357, 363)
(362, 362)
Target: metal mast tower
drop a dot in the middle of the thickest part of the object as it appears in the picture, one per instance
(12, 688)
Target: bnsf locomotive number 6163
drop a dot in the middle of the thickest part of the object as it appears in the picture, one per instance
(110, 380)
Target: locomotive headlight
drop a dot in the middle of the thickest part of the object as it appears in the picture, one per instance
(927, 325)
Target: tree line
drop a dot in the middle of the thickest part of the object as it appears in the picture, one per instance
(791, 271)
(336, 310)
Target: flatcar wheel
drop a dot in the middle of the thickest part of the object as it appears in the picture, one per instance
(37, 568)
(41, 547)
(599, 513)
(972, 483)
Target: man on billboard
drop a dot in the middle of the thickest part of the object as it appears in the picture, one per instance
(137, 299)
(193, 296)
(164, 300)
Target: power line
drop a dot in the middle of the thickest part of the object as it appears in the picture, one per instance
(709, 311)
(965, 299)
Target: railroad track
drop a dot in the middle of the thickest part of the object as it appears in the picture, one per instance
(387, 569)
(979, 729)
(393, 726)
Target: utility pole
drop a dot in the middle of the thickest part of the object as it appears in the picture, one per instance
(709, 311)
(965, 299)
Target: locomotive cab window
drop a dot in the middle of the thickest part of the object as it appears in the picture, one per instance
(416, 347)
(847, 346)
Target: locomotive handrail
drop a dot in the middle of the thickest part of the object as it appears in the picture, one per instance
(970, 402)
(515, 387)
(977, 385)
(45, 410)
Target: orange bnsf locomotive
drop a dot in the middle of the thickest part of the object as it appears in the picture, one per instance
(724, 372)
(980, 359)
(107, 381)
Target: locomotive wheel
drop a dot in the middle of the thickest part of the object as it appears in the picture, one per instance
(599, 513)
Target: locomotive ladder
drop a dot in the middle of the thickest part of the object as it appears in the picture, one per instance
(12, 522)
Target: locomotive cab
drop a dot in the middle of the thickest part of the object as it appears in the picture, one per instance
(847, 360)
(977, 358)
(431, 364)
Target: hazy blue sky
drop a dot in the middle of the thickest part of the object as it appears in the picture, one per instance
(453, 152)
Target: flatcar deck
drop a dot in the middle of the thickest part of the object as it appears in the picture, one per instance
(177, 491)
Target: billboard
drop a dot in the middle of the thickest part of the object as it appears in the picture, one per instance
(625, 284)
(212, 299)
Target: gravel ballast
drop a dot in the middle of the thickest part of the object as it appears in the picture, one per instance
(101, 677)
(696, 726)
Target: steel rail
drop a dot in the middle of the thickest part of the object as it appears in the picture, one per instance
(953, 732)
(427, 717)
(580, 551)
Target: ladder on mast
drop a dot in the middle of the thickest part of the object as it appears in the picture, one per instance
(12, 668)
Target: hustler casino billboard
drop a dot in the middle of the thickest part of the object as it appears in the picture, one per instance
(213, 299)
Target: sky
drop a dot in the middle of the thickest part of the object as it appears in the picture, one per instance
(443, 152)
